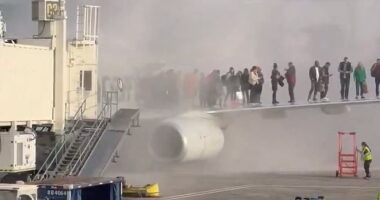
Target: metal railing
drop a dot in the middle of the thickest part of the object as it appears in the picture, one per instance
(112, 100)
(61, 146)
(110, 104)
(83, 152)
(87, 23)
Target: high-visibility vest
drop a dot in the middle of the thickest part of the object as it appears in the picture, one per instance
(368, 155)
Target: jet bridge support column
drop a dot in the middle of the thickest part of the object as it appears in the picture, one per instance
(51, 18)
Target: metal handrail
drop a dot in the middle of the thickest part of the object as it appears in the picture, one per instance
(64, 144)
(106, 108)
(61, 144)
(94, 126)
(81, 109)
(84, 151)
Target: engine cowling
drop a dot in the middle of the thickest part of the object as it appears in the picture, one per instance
(191, 136)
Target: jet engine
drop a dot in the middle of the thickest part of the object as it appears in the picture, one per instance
(191, 136)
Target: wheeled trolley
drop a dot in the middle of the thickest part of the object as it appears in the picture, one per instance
(347, 156)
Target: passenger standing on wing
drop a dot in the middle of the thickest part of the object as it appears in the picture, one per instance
(275, 81)
(211, 92)
(359, 77)
(260, 85)
(367, 157)
(229, 82)
(202, 91)
(219, 88)
(375, 72)
(254, 82)
(315, 76)
(236, 85)
(325, 81)
(345, 71)
(290, 75)
(244, 84)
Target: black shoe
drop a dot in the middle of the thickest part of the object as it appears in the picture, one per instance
(363, 97)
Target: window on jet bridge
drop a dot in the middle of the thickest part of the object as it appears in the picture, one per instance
(86, 79)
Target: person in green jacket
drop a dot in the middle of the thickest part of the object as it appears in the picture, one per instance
(360, 77)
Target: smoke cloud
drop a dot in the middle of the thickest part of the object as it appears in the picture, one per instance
(213, 34)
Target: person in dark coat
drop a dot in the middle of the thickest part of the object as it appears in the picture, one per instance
(202, 91)
(325, 81)
(244, 84)
(230, 85)
(315, 76)
(345, 70)
(290, 76)
(375, 72)
(275, 81)
(211, 91)
(219, 88)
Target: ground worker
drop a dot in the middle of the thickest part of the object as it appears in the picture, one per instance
(367, 157)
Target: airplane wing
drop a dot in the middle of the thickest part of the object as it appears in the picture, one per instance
(321, 105)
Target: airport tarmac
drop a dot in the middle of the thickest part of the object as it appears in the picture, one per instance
(270, 187)
(276, 157)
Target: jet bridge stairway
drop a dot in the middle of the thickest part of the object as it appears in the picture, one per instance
(75, 145)
(80, 147)
(89, 144)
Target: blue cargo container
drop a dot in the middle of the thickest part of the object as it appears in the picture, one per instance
(80, 188)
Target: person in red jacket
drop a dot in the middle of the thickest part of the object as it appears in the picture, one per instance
(290, 76)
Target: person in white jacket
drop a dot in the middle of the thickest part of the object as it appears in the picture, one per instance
(254, 79)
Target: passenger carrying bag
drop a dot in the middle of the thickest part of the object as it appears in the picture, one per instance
(281, 81)
(365, 87)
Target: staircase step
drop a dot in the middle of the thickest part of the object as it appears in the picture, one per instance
(75, 145)
(70, 157)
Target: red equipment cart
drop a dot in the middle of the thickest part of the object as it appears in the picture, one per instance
(347, 161)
